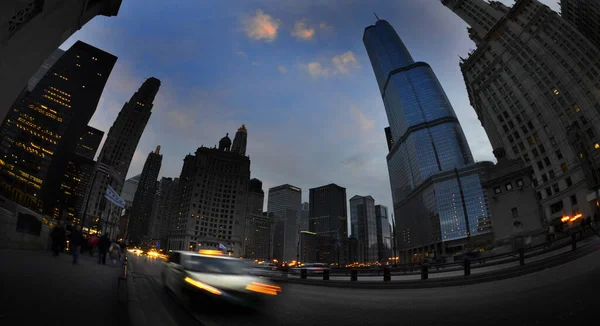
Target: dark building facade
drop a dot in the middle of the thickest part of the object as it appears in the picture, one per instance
(240, 140)
(88, 143)
(427, 141)
(364, 226)
(140, 223)
(119, 147)
(214, 183)
(308, 247)
(43, 127)
(384, 233)
(585, 15)
(32, 31)
(258, 228)
(328, 218)
(170, 212)
(388, 138)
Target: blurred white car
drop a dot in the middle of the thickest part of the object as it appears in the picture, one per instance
(211, 277)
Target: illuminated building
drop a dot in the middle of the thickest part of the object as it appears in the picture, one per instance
(534, 82)
(436, 188)
(33, 29)
(585, 15)
(40, 133)
(119, 147)
(363, 224)
(328, 218)
(78, 176)
(140, 221)
(48, 63)
(214, 184)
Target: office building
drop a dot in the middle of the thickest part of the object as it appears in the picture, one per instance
(77, 177)
(160, 212)
(285, 236)
(384, 233)
(282, 198)
(169, 211)
(119, 147)
(328, 218)
(585, 15)
(41, 72)
(363, 224)
(240, 140)
(308, 247)
(33, 30)
(533, 82)
(436, 189)
(214, 183)
(352, 249)
(129, 189)
(258, 228)
(41, 130)
(140, 221)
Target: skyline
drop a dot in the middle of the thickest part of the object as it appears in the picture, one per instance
(296, 74)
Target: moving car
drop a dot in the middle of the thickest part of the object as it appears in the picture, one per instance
(208, 277)
(312, 268)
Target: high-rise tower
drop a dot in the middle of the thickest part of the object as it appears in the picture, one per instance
(364, 227)
(328, 219)
(121, 142)
(43, 128)
(140, 224)
(32, 30)
(533, 82)
(435, 186)
(585, 15)
(239, 141)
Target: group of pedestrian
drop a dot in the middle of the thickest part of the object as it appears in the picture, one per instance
(115, 250)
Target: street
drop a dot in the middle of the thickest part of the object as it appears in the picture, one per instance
(563, 294)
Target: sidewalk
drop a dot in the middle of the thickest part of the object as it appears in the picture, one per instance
(39, 289)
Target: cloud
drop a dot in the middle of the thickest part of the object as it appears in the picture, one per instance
(345, 62)
(282, 69)
(262, 27)
(341, 64)
(325, 26)
(242, 54)
(364, 123)
(302, 31)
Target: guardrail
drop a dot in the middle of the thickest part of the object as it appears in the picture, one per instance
(466, 265)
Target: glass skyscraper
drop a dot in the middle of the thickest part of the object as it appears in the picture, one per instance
(435, 184)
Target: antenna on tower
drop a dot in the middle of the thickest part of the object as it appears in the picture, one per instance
(376, 16)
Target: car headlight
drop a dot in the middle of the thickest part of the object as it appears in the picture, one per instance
(203, 286)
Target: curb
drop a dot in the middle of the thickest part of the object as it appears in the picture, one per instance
(453, 281)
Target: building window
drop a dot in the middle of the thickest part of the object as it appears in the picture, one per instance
(555, 187)
(556, 207)
(547, 161)
(548, 191)
(540, 165)
(573, 200)
(576, 108)
(520, 183)
(551, 174)
(535, 152)
(508, 186)
(564, 167)
(515, 212)
(558, 154)
(569, 181)
(539, 195)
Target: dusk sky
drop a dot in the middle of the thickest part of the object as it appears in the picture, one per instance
(295, 72)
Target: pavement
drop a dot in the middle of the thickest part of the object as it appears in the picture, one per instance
(564, 294)
(39, 289)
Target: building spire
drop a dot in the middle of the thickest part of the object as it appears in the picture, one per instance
(376, 16)
(157, 151)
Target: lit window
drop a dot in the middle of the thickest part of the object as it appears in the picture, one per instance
(556, 92)
(576, 108)
(508, 186)
(596, 145)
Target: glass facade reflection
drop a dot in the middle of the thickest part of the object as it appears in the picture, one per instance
(364, 227)
(428, 143)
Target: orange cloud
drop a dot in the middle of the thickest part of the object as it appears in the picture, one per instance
(302, 31)
(262, 27)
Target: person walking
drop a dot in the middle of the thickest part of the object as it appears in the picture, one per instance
(103, 245)
(76, 243)
(114, 252)
(59, 236)
(93, 244)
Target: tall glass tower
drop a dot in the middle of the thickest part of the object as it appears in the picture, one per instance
(435, 184)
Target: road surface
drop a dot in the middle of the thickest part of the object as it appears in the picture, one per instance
(564, 294)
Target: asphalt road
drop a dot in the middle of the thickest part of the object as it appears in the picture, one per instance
(566, 294)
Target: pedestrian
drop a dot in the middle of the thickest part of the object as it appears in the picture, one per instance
(114, 252)
(93, 243)
(103, 245)
(58, 236)
(76, 243)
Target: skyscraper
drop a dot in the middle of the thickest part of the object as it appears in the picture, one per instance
(214, 183)
(48, 63)
(129, 189)
(364, 227)
(585, 15)
(384, 234)
(436, 189)
(169, 214)
(329, 220)
(239, 141)
(159, 214)
(121, 142)
(140, 219)
(533, 81)
(41, 131)
(77, 176)
(33, 30)
(284, 203)
(258, 227)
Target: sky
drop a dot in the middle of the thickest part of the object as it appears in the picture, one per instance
(296, 73)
